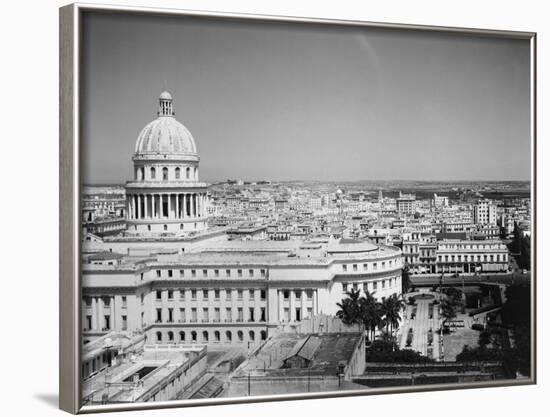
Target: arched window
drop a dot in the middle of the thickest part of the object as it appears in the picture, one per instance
(251, 335)
(193, 337)
(216, 336)
(164, 173)
(263, 335)
(240, 336)
(178, 173)
(187, 172)
(205, 336)
(153, 173)
(182, 337)
(165, 227)
(228, 336)
(159, 337)
(170, 336)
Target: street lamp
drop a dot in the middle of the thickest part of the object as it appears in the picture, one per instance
(340, 372)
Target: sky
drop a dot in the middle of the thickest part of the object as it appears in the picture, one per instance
(295, 101)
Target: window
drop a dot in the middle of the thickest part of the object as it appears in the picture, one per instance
(193, 294)
(240, 294)
(298, 314)
(159, 294)
(251, 294)
(142, 298)
(228, 294)
(193, 337)
(159, 315)
(240, 336)
(153, 173)
(251, 335)
(286, 294)
(240, 314)
(250, 272)
(217, 315)
(205, 315)
(182, 315)
(187, 172)
(193, 315)
(216, 294)
(354, 267)
(216, 336)
(159, 273)
(263, 335)
(374, 285)
(170, 336)
(170, 273)
(251, 314)
(89, 322)
(262, 294)
(228, 336)
(344, 287)
(164, 173)
(365, 267)
(204, 273)
(344, 268)
(227, 272)
(262, 273)
(205, 294)
(170, 315)
(228, 315)
(374, 266)
(216, 273)
(159, 337)
(383, 284)
(182, 337)
(178, 173)
(239, 273)
(170, 294)
(182, 272)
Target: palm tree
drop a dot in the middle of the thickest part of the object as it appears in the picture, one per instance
(391, 308)
(371, 313)
(349, 309)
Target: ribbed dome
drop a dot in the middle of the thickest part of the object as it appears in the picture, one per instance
(165, 135)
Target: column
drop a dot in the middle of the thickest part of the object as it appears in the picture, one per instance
(161, 204)
(139, 206)
(113, 314)
(183, 201)
(315, 302)
(291, 305)
(99, 313)
(303, 300)
(94, 313)
(177, 206)
(280, 305)
(157, 205)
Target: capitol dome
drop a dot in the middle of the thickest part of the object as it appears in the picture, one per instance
(165, 135)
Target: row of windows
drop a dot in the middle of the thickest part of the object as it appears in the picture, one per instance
(206, 336)
(106, 301)
(355, 267)
(105, 323)
(164, 173)
(205, 273)
(473, 258)
(370, 286)
(209, 315)
(205, 294)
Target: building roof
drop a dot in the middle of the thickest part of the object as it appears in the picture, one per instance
(305, 348)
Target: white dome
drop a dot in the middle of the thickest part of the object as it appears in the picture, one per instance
(165, 135)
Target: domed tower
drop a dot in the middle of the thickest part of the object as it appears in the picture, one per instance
(166, 195)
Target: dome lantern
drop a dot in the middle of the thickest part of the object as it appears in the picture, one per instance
(165, 105)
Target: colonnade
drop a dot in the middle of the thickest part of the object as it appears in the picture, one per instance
(166, 205)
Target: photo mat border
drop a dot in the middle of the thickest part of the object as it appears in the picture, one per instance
(70, 38)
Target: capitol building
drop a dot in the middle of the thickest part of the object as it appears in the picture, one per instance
(173, 279)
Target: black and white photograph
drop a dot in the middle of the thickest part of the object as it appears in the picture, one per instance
(271, 208)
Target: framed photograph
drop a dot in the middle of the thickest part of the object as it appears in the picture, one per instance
(261, 208)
